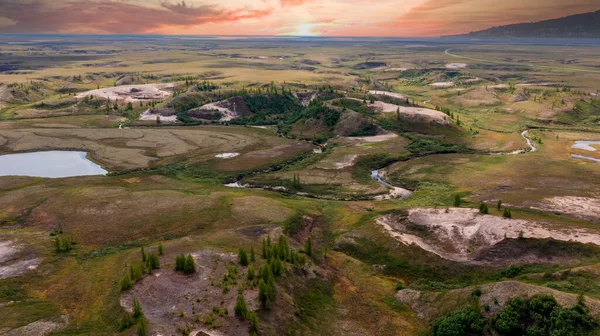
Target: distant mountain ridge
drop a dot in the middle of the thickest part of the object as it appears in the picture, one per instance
(586, 25)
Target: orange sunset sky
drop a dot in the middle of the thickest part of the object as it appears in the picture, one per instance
(278, 17)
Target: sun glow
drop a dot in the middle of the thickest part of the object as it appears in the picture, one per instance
(304, 30)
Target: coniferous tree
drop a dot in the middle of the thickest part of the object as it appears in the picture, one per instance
(143, 254)
(253, 324)
(499, 205)
(153, 261)
(240, 308)
(126, 282)
(250, 275)
(190, 265)
(243, 257)
(483, 209)
(142, 328)
(160, 249)
(252, 256)
(308, 247)
(457, 200)
(137, 308)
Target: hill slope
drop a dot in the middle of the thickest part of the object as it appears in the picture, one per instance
(586, 25)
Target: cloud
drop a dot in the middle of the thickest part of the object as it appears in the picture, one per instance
(293, 3)
(111, 16)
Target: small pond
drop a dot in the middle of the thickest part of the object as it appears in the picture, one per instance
(52, 164)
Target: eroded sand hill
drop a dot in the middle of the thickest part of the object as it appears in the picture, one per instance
(459, 234)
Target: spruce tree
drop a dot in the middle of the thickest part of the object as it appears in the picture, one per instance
(126, 282)
(253, 324)
(143, 254)
(308, 247)
(190, 265)
(499, 205)
(252, 256)
(160, 249)
(242, 257)
(457, 200)
(137, 308)
(240, 308)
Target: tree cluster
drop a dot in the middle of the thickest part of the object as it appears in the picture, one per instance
(185, 264)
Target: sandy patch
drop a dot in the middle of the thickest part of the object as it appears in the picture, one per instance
(14, 262)
(131, 93)
(370, 139)
(227, 155)
(396, 69)
(346, 161)
(226, 114)
(389, 94)
(457, 233)
(146, 115)
(580, 207)
(39, 328)
(416, 113)
(395, 192)
(442, 84)
(456, 66)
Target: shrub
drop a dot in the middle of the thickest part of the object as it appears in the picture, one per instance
(507, 213)
(467, 321)
(63, 244)
(160, 249)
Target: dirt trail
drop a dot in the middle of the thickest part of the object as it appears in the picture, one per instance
(458, 233)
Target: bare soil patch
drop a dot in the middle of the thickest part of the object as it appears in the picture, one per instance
(131, 93)
(456, 66)
(165, 294)
(14, 260)
(39, 328)
(387, 93)
(460, 234)
(415, 114)
(580, 207)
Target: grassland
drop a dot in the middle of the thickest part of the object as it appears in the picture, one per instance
(310, 165)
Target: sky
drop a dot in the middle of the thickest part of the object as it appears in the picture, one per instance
(278, 17)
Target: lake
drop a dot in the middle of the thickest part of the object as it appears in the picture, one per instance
(52, 164)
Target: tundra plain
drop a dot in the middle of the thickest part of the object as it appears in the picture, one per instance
(218, 145)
